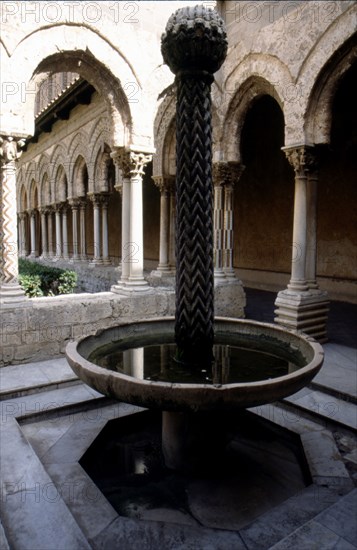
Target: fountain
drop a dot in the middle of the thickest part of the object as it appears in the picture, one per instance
(195, 368)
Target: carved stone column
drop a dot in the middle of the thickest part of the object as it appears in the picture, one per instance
(97, 257)
(32, 215)
(300, 306)
(22, 235)
(132, 164)
(82, 229)
(105, 245)
(64, 233)
(220, 175)
(44, 253)
(58, 251)
(235, 170)
(11, 293)
(50, 231)
(74, 207)
(165, 184)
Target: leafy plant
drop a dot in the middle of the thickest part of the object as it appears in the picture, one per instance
(31, 285)
(41, 280)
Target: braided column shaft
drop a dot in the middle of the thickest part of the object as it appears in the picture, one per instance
(194, 46)
(194, 228)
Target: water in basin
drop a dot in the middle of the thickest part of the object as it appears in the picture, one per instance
(234, 362)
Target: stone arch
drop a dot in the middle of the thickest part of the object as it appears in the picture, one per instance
(77, 47)
(60, 185)
(252, 89)
(77, 147)
(45, 190)
(164, 118)
(318, 116)
(58, 157)
(33, 195)
(43, 166)
(23, 205)
(101, 167)
(80, 177)
(99, 133)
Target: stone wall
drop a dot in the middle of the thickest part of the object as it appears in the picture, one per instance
(42, 330)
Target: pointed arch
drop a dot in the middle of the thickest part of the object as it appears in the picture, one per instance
(249, 91)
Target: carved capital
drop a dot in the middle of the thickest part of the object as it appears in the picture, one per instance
(165, 183)
(302, 158)
(98, 199)
(131, 163)
(226, 173)
(10, 149)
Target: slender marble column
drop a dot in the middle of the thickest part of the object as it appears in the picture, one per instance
(301, 160)
(65, 232)
(219, 173)
(74, 207)
(132, 165)
(32, 215)
(44, 253)
(82, 230)
(97, 259)
(50, 232)
(105, 246)
(58, 253)
(311, 213)
(163, 185)
(11, 293)
(22, 235)
(235, 171)
(302, 306)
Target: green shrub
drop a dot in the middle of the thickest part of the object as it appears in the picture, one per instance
(67, 282)
(31, 285)
(53, 281)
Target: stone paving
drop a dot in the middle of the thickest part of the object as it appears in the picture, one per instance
(49, 419)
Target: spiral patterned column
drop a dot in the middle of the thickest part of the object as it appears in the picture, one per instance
(194, 47)
(10, 290)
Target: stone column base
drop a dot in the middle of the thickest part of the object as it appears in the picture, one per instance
(13, 296)
(305, 311)
(129, 287)
(229, 297)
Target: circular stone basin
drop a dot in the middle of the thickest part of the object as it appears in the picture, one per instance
(293, 359)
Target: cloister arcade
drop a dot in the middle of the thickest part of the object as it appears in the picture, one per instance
(99, 186)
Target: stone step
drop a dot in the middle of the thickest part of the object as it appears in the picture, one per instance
(49, 403)
(42, 376)
(318, 404)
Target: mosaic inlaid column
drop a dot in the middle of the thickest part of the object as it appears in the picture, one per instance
(11, 293)
(235, 170)
(301, 306)
(219, 174)
(44, 253)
